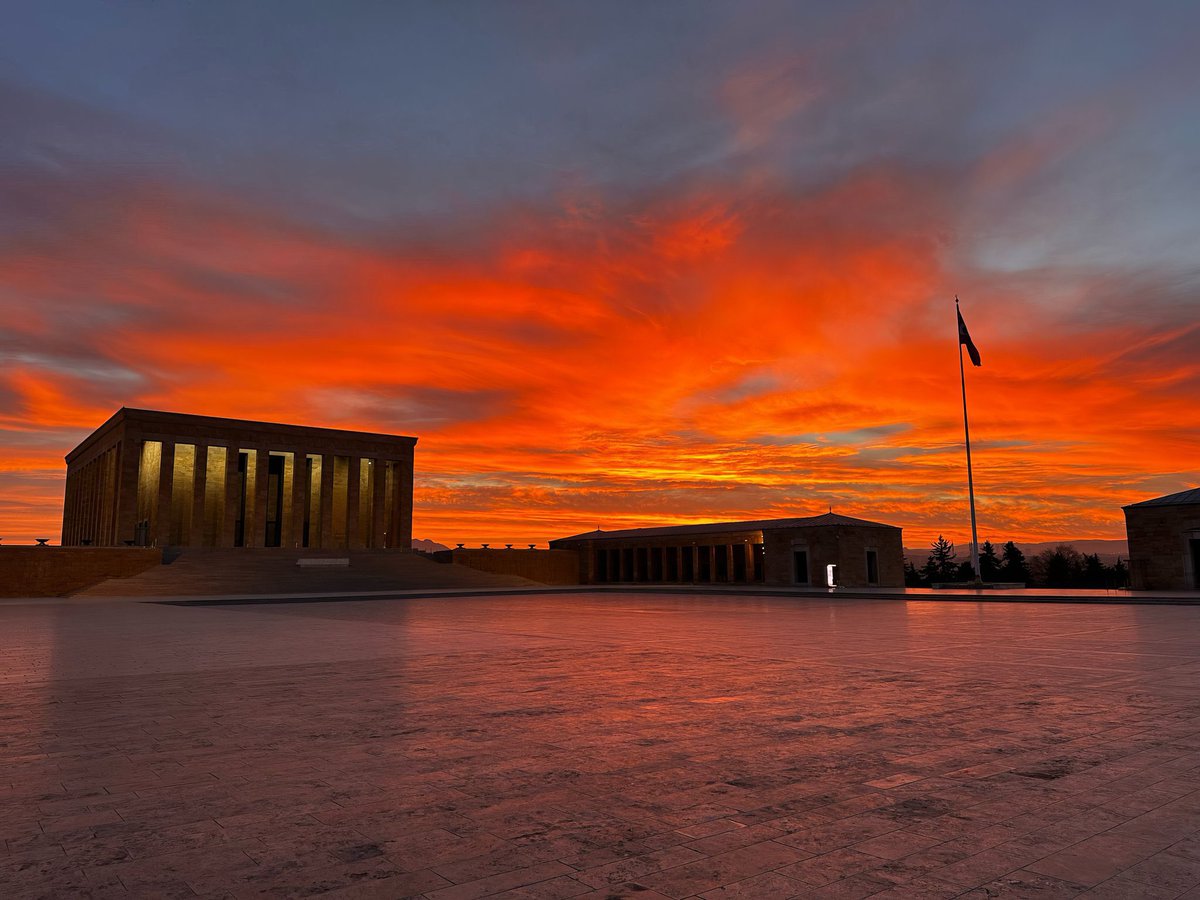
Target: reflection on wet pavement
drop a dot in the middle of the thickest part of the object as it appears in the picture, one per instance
(599, 745)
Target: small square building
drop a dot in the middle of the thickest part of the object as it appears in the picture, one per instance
(815, 551)
(151, 478)
(1164, 542)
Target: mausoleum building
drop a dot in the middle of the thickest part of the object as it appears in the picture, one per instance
(816, 551)
(1164, 542)
(153, 478)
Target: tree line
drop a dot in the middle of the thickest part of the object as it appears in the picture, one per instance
(1062, 567)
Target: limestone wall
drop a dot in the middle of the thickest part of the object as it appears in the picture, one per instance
(544, 566)
(58, 571)
(1159, 549)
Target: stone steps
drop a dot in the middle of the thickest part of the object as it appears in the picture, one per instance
(254, 571)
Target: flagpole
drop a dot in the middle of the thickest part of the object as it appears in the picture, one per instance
(962, 378)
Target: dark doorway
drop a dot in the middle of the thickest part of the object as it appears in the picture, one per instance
(800, 566)
(306, 537)
(721, 552)
(739, 563)
(759, 561)
(239, 524)
(601, 565)
(627, 564)
(704, 563)
(687, 567)
(274, 535)
(1195, 545)
(656, 564)
(643, 569)
(872, 567)
(672, 563)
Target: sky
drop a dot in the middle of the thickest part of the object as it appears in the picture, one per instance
(618, 264)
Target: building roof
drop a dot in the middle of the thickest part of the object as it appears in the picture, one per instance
(824, 519)
(187, 423)
(1183, 498)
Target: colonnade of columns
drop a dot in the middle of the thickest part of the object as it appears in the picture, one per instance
(740, 562)
(192, 494)
(90, 508)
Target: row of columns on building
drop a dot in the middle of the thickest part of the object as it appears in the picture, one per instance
(90, 510)
(211, 512)
(733, 563)
(315, 511)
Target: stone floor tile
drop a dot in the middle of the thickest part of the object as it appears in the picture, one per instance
(634, 867)
(1096, 859)
(1025, 884)
(1121, 887)
(717, 871)
(919, 889)
(768, 886)
(631, 891)
(896, 844)
(829, 867)
(559, 888)
(985, 867)
(1167, 870)
(731, 840)
(494, 884)
(853, 887)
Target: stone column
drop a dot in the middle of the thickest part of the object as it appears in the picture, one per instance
(127, 488)
(353, 474)
(325, 528)
(166, 480)
(256, 529)
(404, 500)
(378, 502)
(299, 496)
(199, 483)
(232, 483)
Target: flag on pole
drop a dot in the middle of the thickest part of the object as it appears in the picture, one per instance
(964, 337)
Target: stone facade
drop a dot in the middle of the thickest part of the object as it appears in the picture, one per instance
(542, 566)
(58, 571)
(161, 479)
(776, 552)
(1164, 542)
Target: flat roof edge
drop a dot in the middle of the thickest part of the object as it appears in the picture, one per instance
(154, 417)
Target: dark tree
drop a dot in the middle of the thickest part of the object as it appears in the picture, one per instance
(1014, 568)
(1094, 574)
(965, 572)
(912, 577)
(989, 562)
(1120, 574)
(940, 566)
(1061, 567)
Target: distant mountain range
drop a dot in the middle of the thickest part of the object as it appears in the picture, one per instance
(1108, 551)
(427, 546)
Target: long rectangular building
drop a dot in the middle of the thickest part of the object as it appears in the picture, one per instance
(822, 550)
(151, 478)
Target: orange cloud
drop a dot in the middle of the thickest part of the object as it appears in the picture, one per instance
(713, 354)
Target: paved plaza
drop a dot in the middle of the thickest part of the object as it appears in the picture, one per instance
(599, 746)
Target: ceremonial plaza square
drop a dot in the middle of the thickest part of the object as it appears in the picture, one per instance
(599, 745)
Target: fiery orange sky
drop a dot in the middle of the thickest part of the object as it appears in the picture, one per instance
(736, 337)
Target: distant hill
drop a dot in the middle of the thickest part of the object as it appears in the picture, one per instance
(427, 546)
(1108, 551)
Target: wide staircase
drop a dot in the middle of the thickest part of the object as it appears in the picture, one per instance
(197, 573)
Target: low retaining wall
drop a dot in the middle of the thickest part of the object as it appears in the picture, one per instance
(543, 566)
(58, 571)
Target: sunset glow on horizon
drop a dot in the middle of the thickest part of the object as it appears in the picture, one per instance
(711, 289)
